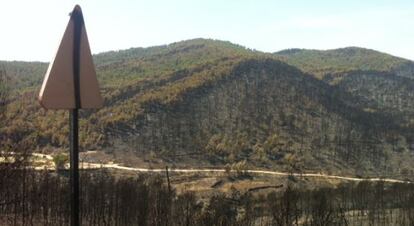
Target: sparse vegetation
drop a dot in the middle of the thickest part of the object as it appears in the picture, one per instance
(216, 103)
(205, 96)
(41, 198)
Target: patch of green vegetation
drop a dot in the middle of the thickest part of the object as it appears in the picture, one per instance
(60, 160)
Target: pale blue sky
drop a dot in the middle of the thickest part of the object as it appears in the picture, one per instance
(31, 30)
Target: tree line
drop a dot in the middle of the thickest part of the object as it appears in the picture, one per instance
(29, 197)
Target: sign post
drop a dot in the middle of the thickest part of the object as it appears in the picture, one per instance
(74, 168)
(70, 83)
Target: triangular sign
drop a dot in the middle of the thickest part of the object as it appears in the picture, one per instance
(70, 81)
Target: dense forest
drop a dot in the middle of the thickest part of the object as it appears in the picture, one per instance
(346, 110)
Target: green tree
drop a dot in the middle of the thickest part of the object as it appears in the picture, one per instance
(60, 161)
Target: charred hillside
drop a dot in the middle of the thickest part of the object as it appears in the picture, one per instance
(268, 113)
(216, 102)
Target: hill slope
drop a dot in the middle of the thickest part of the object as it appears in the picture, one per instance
(223, 103)
(337, 61)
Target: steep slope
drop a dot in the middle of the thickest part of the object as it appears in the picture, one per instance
(381, 92)
(145, 71)
(223, 103)
(382, 83)
(269, 113)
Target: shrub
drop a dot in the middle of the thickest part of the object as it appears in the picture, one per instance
(60, 161)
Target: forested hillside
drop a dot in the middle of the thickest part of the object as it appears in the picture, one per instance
(348, 110)
(338, 61)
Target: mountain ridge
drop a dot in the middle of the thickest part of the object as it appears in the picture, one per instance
(109, 58)
(229, 103)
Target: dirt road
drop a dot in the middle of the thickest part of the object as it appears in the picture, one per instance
(269, 172)
(195, 170)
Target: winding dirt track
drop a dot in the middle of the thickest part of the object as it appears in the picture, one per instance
(268, 172)
(194, 170)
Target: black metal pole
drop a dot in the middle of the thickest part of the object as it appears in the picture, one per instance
(77, 18)
(74, 168)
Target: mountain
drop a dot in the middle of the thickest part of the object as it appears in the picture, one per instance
(338, 61)
(212, 102)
